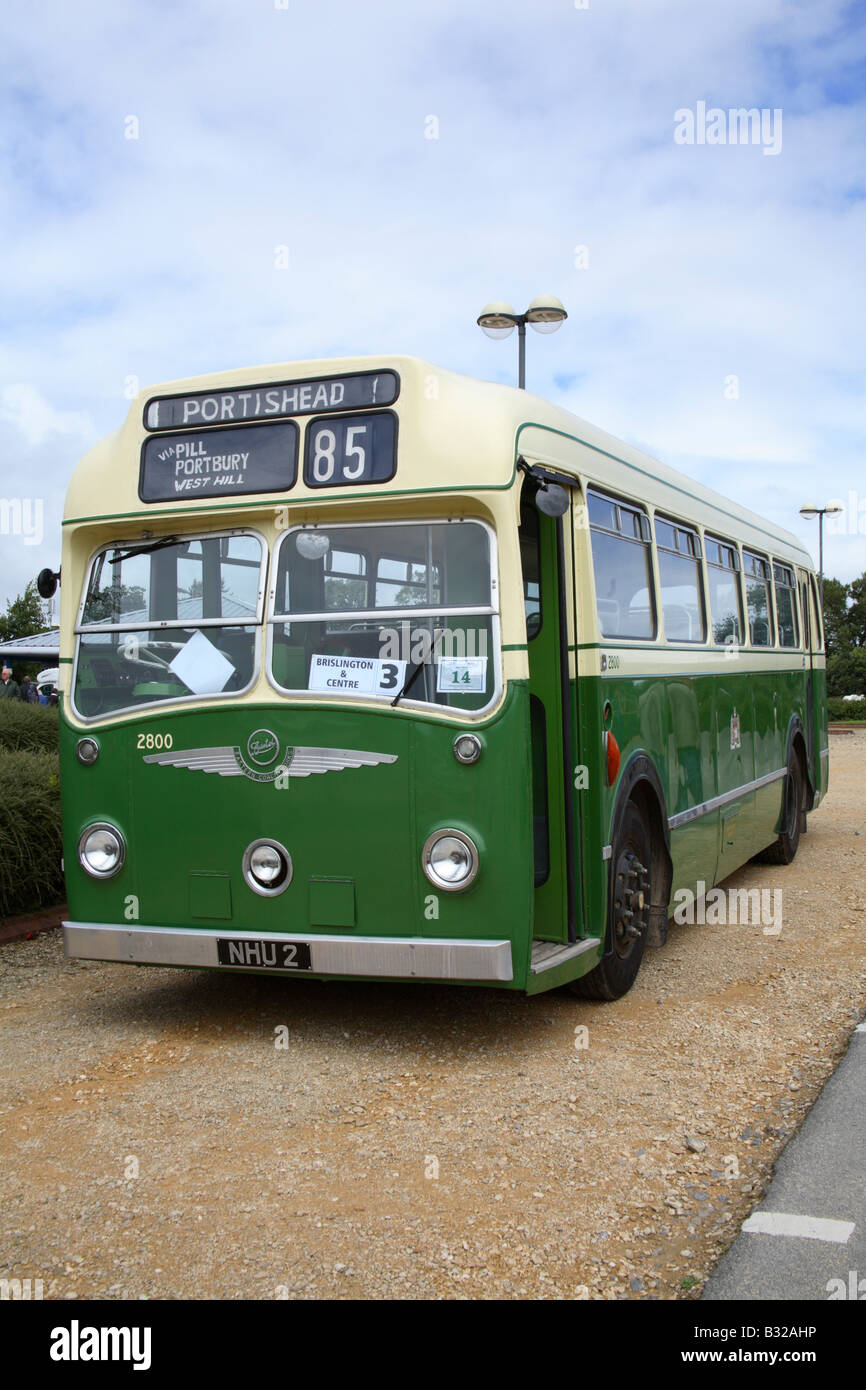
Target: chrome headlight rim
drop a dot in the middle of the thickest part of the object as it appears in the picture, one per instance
(281, 884)
(450, 833)
(121, 850)
(84, 746)
(470, 752)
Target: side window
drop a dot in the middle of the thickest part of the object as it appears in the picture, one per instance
(786, 605)
(682, 594)
(726, 604)
(804, 609)
(622, 564)
(757, 573)
(817, 615)
(530, 564)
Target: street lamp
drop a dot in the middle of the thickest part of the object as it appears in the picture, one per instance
(820, 512)
(498, 319)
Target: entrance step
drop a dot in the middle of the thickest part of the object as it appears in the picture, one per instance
(546, 955)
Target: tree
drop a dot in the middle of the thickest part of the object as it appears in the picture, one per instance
(856, 616)
(846, 672)
(25, 615)
(836, 616)
(844, 617)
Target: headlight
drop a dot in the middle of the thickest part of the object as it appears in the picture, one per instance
(87, 750)
(450, 860)
(267, 867)
(467, 748)
(101, 851)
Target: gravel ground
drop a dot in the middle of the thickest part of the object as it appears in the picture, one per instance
(424, 1142)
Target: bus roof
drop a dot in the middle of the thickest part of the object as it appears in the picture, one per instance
(445, 419)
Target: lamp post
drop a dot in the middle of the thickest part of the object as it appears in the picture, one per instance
(498, 319)
(820, 512)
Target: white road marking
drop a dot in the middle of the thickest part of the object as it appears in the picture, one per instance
(782, 1223)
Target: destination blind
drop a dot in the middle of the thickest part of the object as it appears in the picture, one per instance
(219, 463)
(272, 400)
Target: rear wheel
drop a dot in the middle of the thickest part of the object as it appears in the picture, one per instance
(782, 850)
(628, 912)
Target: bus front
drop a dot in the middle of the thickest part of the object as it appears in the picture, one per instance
(291, 739)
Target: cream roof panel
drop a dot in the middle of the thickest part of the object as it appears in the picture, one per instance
(455, 432)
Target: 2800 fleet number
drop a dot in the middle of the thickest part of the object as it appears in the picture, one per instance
(155, 741)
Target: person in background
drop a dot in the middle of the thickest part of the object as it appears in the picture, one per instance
(29, 693)
(9, 689)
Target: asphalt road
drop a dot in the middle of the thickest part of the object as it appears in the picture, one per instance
(821, 1174)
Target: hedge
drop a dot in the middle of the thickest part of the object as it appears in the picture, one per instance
(846, 711)
(30, 845)
(31, 728)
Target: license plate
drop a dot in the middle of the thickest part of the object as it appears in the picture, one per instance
(259, 953)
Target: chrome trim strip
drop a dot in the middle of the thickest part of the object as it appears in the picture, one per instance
(400, 957)
(375, 614)
(704, 807)
(546, 955)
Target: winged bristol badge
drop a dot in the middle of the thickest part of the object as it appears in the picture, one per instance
(260, 761)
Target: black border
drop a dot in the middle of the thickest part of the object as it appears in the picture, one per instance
(210, 497)
(350, 482)
(263, 386)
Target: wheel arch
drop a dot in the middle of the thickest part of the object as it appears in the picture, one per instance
(797, 743)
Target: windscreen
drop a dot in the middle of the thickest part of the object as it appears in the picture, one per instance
(168, 619)
(375, 610)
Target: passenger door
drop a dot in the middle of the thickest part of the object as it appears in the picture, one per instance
(543, 543)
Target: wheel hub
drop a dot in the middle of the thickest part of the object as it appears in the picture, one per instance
(631, 900)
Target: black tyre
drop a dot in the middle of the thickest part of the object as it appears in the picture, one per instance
(630, 894)
(783, 849)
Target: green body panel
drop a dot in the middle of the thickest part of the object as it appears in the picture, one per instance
(683, 725)
(819, 707)
(355, 836)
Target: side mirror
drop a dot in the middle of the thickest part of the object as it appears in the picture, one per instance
(551, 499)
(46, 583)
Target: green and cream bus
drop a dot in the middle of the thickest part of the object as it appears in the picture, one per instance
(374, 671)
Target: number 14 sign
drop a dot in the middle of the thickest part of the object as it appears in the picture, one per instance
(464, 675)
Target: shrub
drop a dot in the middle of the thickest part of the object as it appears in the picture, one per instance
(31, 728)
(30, 845)
(846, 711)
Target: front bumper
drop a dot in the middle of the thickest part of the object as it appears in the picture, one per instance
(402, 957)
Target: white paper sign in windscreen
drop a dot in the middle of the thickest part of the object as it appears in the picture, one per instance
(355, 675)
(202, 667)
(461, 675)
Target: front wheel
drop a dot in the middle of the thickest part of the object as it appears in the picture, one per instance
(630, 895)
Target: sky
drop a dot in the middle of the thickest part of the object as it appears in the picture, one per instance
(195, 185)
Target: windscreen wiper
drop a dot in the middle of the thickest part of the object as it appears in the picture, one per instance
(413, 674)
(144, 549)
